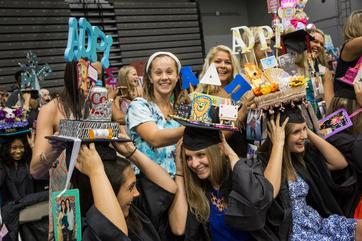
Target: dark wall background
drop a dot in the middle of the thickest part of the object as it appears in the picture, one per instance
(186, 28)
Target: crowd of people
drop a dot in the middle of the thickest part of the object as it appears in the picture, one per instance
(176, 182)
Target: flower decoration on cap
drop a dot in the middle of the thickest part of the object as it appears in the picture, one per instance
(13, 121)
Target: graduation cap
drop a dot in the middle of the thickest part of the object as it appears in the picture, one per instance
(97, 127)
(13, 122)
(198, 138)
(209, 111)
(292, 111)
(297, 41)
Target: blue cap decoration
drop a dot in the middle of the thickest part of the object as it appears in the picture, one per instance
(32, 74)
(77, 48)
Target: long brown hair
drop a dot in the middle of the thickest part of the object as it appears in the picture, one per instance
(196, 189)
(70, 101)
(287, 164)
(123, 81)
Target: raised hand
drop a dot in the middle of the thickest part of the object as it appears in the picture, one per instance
(124, 148)
(88, 161)
(276, 132)
(228, 151)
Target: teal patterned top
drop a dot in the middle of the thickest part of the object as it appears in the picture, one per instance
(142, 111)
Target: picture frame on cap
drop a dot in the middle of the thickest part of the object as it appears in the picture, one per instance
(335, 123)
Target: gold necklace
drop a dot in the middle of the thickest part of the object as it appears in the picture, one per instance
(218, 202)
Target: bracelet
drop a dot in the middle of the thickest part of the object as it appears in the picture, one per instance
(180, 175)
(135, 149)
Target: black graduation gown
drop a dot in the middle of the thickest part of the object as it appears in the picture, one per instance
(17, 192)
(15, 183)
(99, 228)
(325, 195)
(249, 199)
(151, 209)
(351, 147)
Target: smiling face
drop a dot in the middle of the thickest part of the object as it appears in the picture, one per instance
(132, 77)
(297, 137)
(17, 149)
(317, 44)
(128, 191)
(164, 75)
(223, 66)
(198, 163)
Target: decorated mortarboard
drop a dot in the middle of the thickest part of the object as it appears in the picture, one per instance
(13, 121)
(209, 111)
(352, 75)
(31, 73)
(97, 125)
(272, 85)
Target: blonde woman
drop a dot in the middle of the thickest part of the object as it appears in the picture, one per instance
(349, 141)
(346, 96)
(318, 55)
(227, 67)
(129, 88)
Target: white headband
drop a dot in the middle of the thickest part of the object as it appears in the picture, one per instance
(171, 55)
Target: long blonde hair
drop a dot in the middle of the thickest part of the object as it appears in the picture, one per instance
(353, 27)
(213, 89)
(322, 56)
(196, 189)
(124, 81)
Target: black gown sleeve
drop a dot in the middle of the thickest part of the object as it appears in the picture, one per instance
(350, 146)
(331, 192)
(99, 228)
(250, 198)
(154, 202)
(195, 231)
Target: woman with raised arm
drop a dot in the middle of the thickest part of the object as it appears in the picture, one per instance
(117, 206)
(219, 196)
(304, 205)
(147, 120)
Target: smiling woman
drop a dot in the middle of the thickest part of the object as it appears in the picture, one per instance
(300, 173)
(147, 119)
(115, 204)
(210, 178)
(227, 67)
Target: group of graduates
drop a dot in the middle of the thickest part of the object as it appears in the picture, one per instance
(188, 183)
